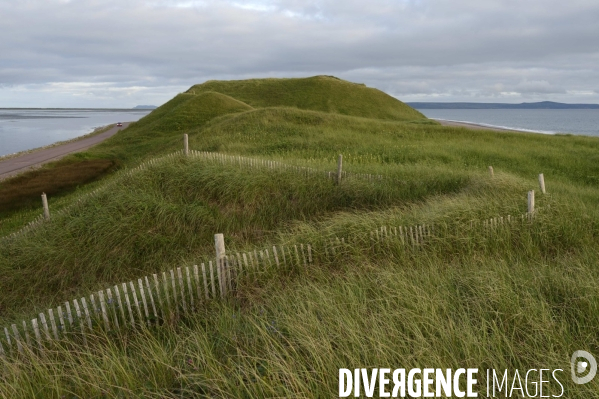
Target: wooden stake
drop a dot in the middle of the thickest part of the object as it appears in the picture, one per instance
(182, 287)
(491, 171)
(103, 308)
(46, 208)
(542, 183)
(61, 319)
(119, 303)
(303, 255)
(45, 326)
(205, 281)
(160, 303)
(165, 287)
(339, 168)
(219, 246)
(36, 332)
(274, 252)
(149, 294)
(228, 265)
(136, 302)
(174, 291)
(186, 144)
(196, 276)
(212, 279)
(283, 253)
(17, 336)
(531, 201)
(128, 302)
(27, 337)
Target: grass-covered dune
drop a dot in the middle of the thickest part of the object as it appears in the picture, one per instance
(519, 297)
(318, 93)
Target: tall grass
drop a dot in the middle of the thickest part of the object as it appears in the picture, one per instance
(521, 296)
(505, 303)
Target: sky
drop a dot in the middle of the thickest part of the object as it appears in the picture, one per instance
(123, 53)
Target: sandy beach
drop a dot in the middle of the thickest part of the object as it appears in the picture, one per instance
(474, 126)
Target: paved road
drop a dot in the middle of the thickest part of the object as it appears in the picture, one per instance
(16, 165)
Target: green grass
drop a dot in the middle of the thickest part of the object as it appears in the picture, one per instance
(318, 93)
(24, 190)
(522, 297)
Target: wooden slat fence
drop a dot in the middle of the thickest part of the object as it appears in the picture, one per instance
(233, 160)
(160, 297)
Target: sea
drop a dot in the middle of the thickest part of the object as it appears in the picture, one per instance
(583, 122)
(27, 128)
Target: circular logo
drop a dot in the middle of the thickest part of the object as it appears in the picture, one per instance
(579, 367)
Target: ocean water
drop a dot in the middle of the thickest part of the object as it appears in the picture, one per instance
(550, 121)
(25, 129)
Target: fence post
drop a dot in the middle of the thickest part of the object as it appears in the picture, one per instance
(46, 208)
(531, 201)
(186, 144)
(219, 245)
(542, 183)
(491, 171)
(339, 168)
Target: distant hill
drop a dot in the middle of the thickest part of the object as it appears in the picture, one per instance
(317, 93)
(537, 105)
(145, 107)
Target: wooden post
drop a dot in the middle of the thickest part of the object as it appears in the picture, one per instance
(17, 337)
(186, 144)
(531, 201)
(157, 287)
(212, 279)
(166, 296)
(205, 281)
(36, 331)
(103, 309)
(136, 303)
(182, 288)
(491, 171)
(27, 337)
(542, 183)
(149, 291)
(219, 245)
(128, 302)
(119, 304)
(144, 302)
(46, 208)
(339, 168)
(189, 286)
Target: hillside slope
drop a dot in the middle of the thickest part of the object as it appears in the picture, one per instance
(317, 93)
(486, 287)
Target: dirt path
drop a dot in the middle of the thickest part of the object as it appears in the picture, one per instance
(16, 165)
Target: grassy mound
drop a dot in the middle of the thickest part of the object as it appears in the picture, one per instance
(163, 127)
(519, 297)
(207, 103)
(169, 213)
(318, 93)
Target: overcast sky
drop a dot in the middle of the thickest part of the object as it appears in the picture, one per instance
(121, 53)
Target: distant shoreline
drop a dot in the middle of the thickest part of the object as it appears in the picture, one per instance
(14, 164)
(537, 105)
(471, 125)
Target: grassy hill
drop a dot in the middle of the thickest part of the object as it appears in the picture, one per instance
(519, 297)
(317, 93)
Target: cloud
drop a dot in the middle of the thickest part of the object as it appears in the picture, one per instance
(458, 49)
